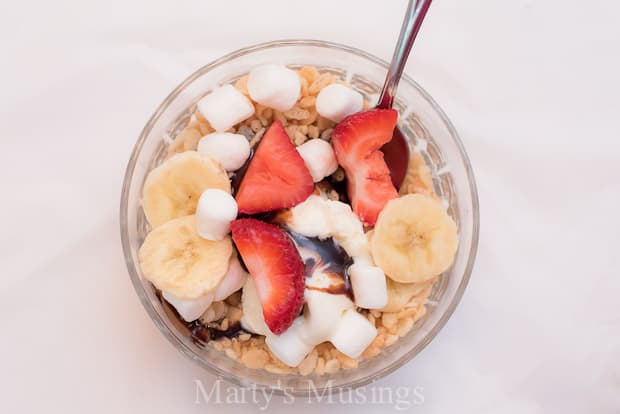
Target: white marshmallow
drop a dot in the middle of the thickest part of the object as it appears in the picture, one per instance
(353, 334)
(369, 286)
(216, 209)
(190, 310)
(336, 101)
(233, 280)
(289, 346)
(224, 107)
(322, 314)
(274, 86)
(319, 157)
(230, 150)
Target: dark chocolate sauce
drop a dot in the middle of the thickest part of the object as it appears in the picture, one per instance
(337, 289)
(205, 333)
(199, 333)
(330, 253)
(339, 186)
(331, 258)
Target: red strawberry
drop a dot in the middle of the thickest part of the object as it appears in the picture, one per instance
(277, 177)
(276, 268)
(356, 141)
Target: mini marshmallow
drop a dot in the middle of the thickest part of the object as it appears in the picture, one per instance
(233, 280)
(322, 314)
(319, 157)
(189, 310)
(369, 286)
(224, 107)
(274, 86)
(230, 150)
(336, 101)
(353, 334)
(216, 209)
(289, 346)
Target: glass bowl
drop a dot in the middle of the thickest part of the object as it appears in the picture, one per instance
(424, 125)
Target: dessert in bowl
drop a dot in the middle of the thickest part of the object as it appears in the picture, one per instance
(262, 230)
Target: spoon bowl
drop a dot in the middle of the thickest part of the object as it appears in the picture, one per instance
(396, 156)
(396, 151)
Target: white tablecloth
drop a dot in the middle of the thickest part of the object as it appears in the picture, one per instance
(532, 87)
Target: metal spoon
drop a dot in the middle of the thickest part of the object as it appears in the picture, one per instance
(396, 152)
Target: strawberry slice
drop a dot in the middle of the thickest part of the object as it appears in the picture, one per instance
(276, 268)
(356, 141)
(277, 177)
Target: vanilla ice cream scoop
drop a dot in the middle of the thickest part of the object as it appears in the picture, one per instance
(323, 218)
(224, 107)
(309, 218)
(327, 235)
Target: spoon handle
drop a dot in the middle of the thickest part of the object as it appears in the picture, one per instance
(416, 11)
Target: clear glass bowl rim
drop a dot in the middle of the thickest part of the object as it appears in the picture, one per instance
(131, 265)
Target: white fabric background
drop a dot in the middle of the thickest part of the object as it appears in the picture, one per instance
(531, 86)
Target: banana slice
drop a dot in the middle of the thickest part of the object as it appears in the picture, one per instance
(172, 190)
(253, 319)
(177, 260)
(414, 239)
(401, 294)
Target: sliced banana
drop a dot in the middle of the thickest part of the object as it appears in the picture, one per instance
(414, 239)
(172, 189)
(253, 319)
(177, 260)
(400, 295)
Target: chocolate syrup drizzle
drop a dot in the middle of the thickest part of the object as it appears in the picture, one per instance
(333, 260)
(199, 332)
